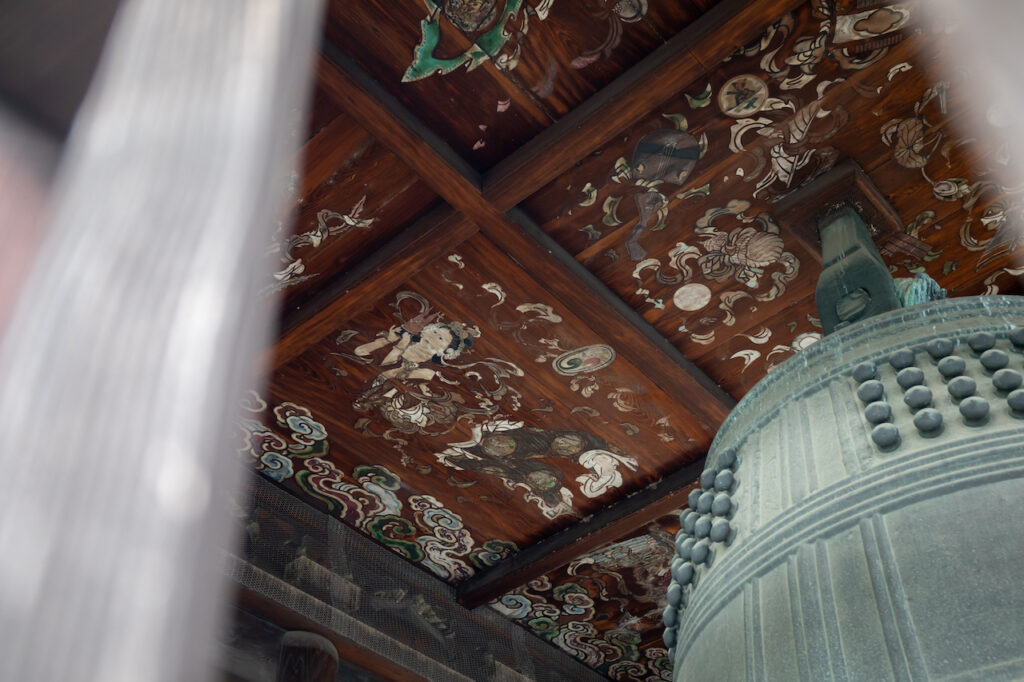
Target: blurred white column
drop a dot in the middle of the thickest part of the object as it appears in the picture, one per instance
(134, 335)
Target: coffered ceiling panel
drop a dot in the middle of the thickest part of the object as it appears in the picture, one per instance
(677, 214)
(351, 196)
(510, 399)
(486, 76)
(474, 385)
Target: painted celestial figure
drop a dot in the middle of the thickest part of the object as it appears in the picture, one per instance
(661, 156)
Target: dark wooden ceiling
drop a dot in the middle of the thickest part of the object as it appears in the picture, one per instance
(536, 260)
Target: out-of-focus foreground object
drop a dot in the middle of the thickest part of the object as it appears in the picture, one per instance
(987, 38)
(134, 335)
(26, 164)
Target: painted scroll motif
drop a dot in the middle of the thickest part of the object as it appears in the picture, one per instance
(420, 528)
(329, 224)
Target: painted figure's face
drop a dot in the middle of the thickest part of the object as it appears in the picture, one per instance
(434, 341)
(470, 15)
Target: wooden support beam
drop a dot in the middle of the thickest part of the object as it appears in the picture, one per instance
(387, 120)
(678, 63)
(607, 525)
(683, 60)
(610, 317)
(355, 290)
(395, 127)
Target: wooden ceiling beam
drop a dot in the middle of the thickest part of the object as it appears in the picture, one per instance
(675, 66)
(395, 127)
(608, 525)
(682, 61)
(356, 290)
(635, 339)
(387, 120)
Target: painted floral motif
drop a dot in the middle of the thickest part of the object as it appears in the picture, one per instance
(605, 607)
(992, 288)
(329, 224)
(369, 499)
(779, 352)
(583, 360)
(741, 95)
(744, 253)
(515, 454)
(426, 382)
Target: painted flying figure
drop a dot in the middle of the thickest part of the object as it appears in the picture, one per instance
(515, 453)
(422, 387)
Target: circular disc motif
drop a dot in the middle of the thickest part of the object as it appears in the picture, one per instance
(742, 96)
(542, 480)
(567, 444)
(581, 360)
(499, 445)
(692, 296)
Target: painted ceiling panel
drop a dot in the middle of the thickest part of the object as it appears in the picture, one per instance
(669, 18)
(468, 412)
(677, 214)
(351, 197)
(605, 608)
(478, 112)
(525, 62)
(579, 48)
(473, 385)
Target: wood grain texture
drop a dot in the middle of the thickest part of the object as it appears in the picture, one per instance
(393, 126)
(690, 54)
(364, 376)
(606, 525)
(913, 165)
(352, 291)
(348, 175)
(382, 35)
(671, 370)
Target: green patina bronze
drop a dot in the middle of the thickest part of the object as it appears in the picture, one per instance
(855, 282)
